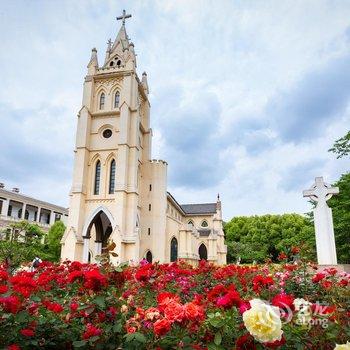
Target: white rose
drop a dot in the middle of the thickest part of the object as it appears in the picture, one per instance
(263, 321)
(342, 346)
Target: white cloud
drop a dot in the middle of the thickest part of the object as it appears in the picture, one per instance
(241, 53)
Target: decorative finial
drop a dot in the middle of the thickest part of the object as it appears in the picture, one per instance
(109, 43)
(218, 196)
(123, 17)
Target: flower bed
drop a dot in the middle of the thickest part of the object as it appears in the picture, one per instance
(174, 306)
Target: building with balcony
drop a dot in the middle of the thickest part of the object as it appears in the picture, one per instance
(15, 207)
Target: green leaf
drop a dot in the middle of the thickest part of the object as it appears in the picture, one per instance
(79, 343)
(117, 327)
(218, 338)
(22, 316)
(140, 337)
(100, 301)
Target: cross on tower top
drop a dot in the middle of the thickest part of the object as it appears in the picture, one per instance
(320, 191)
(123, 17)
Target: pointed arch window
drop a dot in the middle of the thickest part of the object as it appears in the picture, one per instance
(149, 257)
(102, 100)
(97, 178)
(116, 99)
(191, 223)
(173, 249)
(112, 177)
(204, 223)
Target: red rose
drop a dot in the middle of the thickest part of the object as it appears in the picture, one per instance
(55, 307)
(13, 347)
(94, 280)
(244, 306)
(27, 332)
(283, 301)
(4, 276)
(245, 342)
(318, 277)
(10, 304)
(193, 311)
(3, 289)
(74, 306)
(91, 331)
(174, 312)
(276, 343)
(326, 284)
(228, 300)
(161, 327)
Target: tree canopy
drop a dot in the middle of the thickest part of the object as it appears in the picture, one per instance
(341, 146)
(340, 205)
(261, 237)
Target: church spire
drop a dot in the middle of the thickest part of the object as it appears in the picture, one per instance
(121, 43)
(93, 63)
(122, 38)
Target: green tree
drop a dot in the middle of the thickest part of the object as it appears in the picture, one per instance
(341, 146)
(20, 242)
(53, 241)
(340, 205)
(261, 237)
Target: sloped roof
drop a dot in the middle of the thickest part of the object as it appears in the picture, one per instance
(197, 209)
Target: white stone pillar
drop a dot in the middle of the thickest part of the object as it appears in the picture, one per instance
(5, 207)
(38, 215)
(52, 217)
(86, 249)
(98, 247)
(24, 207)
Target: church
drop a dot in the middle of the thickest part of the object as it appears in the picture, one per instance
(119, 193)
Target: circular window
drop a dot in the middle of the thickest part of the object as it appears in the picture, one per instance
(107, 133)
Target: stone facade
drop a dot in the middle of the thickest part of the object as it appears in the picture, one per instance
(119, 192)
(15, 207)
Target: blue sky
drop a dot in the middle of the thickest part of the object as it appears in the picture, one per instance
(247, 96)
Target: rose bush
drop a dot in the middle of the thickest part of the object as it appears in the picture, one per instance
(174, 306)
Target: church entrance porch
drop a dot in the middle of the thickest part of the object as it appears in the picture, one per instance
(100, 229)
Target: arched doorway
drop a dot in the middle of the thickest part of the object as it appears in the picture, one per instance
(100, 228)
(149, 257)
(173, 249)
(202, 252)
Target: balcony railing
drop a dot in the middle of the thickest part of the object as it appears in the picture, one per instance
(14, 219)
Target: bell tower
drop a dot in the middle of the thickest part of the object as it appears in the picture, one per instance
(113, 140)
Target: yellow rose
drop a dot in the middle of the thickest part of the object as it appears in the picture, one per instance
(342, 346)
(263, 321)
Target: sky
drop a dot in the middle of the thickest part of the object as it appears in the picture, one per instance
(246, 96)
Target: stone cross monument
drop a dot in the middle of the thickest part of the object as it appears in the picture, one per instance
(321, 192)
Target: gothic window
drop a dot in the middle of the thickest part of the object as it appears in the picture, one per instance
(202, 252)
(204, 223)
(116, 99)
(112, 177)
(97, 177)
(149, 257)
(191, 223)
(173, 249)
(102, 100)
